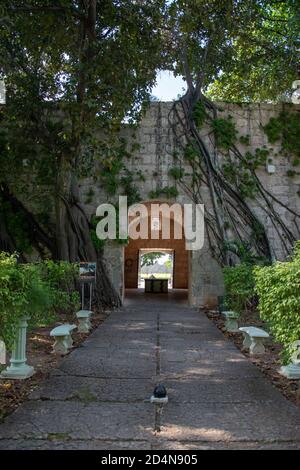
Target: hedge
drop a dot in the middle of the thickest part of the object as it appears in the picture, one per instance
(239, 287)
(278, 288)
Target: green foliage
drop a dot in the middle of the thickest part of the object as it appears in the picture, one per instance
(225, 132)
(61, 276)
(168, 191)
(245, 140)
(190, 153)
(239, 287)
(177, 173)
(111, 160)
(73, 74)
(285, 128)
(278, 288)
(39, 291)
(241, 175)
(241, 178)
(199, 114)
(244, 252)
(149, 259)
(127, 182)
(254, 49)
(291, 173)
(114, 176)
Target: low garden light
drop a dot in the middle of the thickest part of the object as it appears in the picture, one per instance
(159, 395)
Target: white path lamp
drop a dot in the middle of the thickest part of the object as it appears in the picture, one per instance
(231, 323)
(19, 369)
(84, 322)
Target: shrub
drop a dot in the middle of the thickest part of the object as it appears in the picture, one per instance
(278, 288)
(239, 287)
(39, 291)
(22, 293)
(61, 277)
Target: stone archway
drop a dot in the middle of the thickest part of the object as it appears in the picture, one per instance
(181, 255)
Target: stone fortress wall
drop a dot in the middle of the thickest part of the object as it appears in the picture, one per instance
(154, 159)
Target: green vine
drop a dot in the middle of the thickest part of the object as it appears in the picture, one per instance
(225, 132)
(177, 173)
(199, 114)
(168, 191)
(286, 128)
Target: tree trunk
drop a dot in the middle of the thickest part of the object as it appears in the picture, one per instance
(74, 241)
(105, 295)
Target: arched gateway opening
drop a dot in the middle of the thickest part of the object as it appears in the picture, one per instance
(156, 242)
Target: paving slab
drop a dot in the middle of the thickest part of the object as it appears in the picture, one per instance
(98, 398)
(122, 364)
(198, 355)
(231, 422)
(53, 443)
(176, 445)
(76, 420)
(191, 389)
(232, 368)
(86, 389)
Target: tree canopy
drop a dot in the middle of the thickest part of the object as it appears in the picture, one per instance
(242, 50)
(75, 67)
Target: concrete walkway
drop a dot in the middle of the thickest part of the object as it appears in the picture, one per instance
(99, 396)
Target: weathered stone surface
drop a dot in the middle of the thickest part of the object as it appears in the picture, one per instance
(154, 157)
(54, 443)
(112, 343)
(86, 389)
(262, 421)
(175, 445)
(121, 363)
(191, 389)
(231, 369)
(189, 356)
(77, 420)
(192, 341)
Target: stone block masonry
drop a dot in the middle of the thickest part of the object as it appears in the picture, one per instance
(154, 158)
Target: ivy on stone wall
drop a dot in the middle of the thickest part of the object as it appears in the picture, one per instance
(199, 114)
(286, 129)
(225, 132)
(226, 172)
(114, 176)
(167, 191)
(177, 173)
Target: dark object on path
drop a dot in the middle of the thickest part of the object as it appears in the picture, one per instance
(160, 391)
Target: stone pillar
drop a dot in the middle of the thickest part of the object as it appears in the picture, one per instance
(18, 368)
(231, 323)
(84, 322)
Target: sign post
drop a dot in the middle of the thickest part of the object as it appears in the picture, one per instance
(87, 277)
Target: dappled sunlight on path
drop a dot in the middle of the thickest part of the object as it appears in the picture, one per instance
(98, 398)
